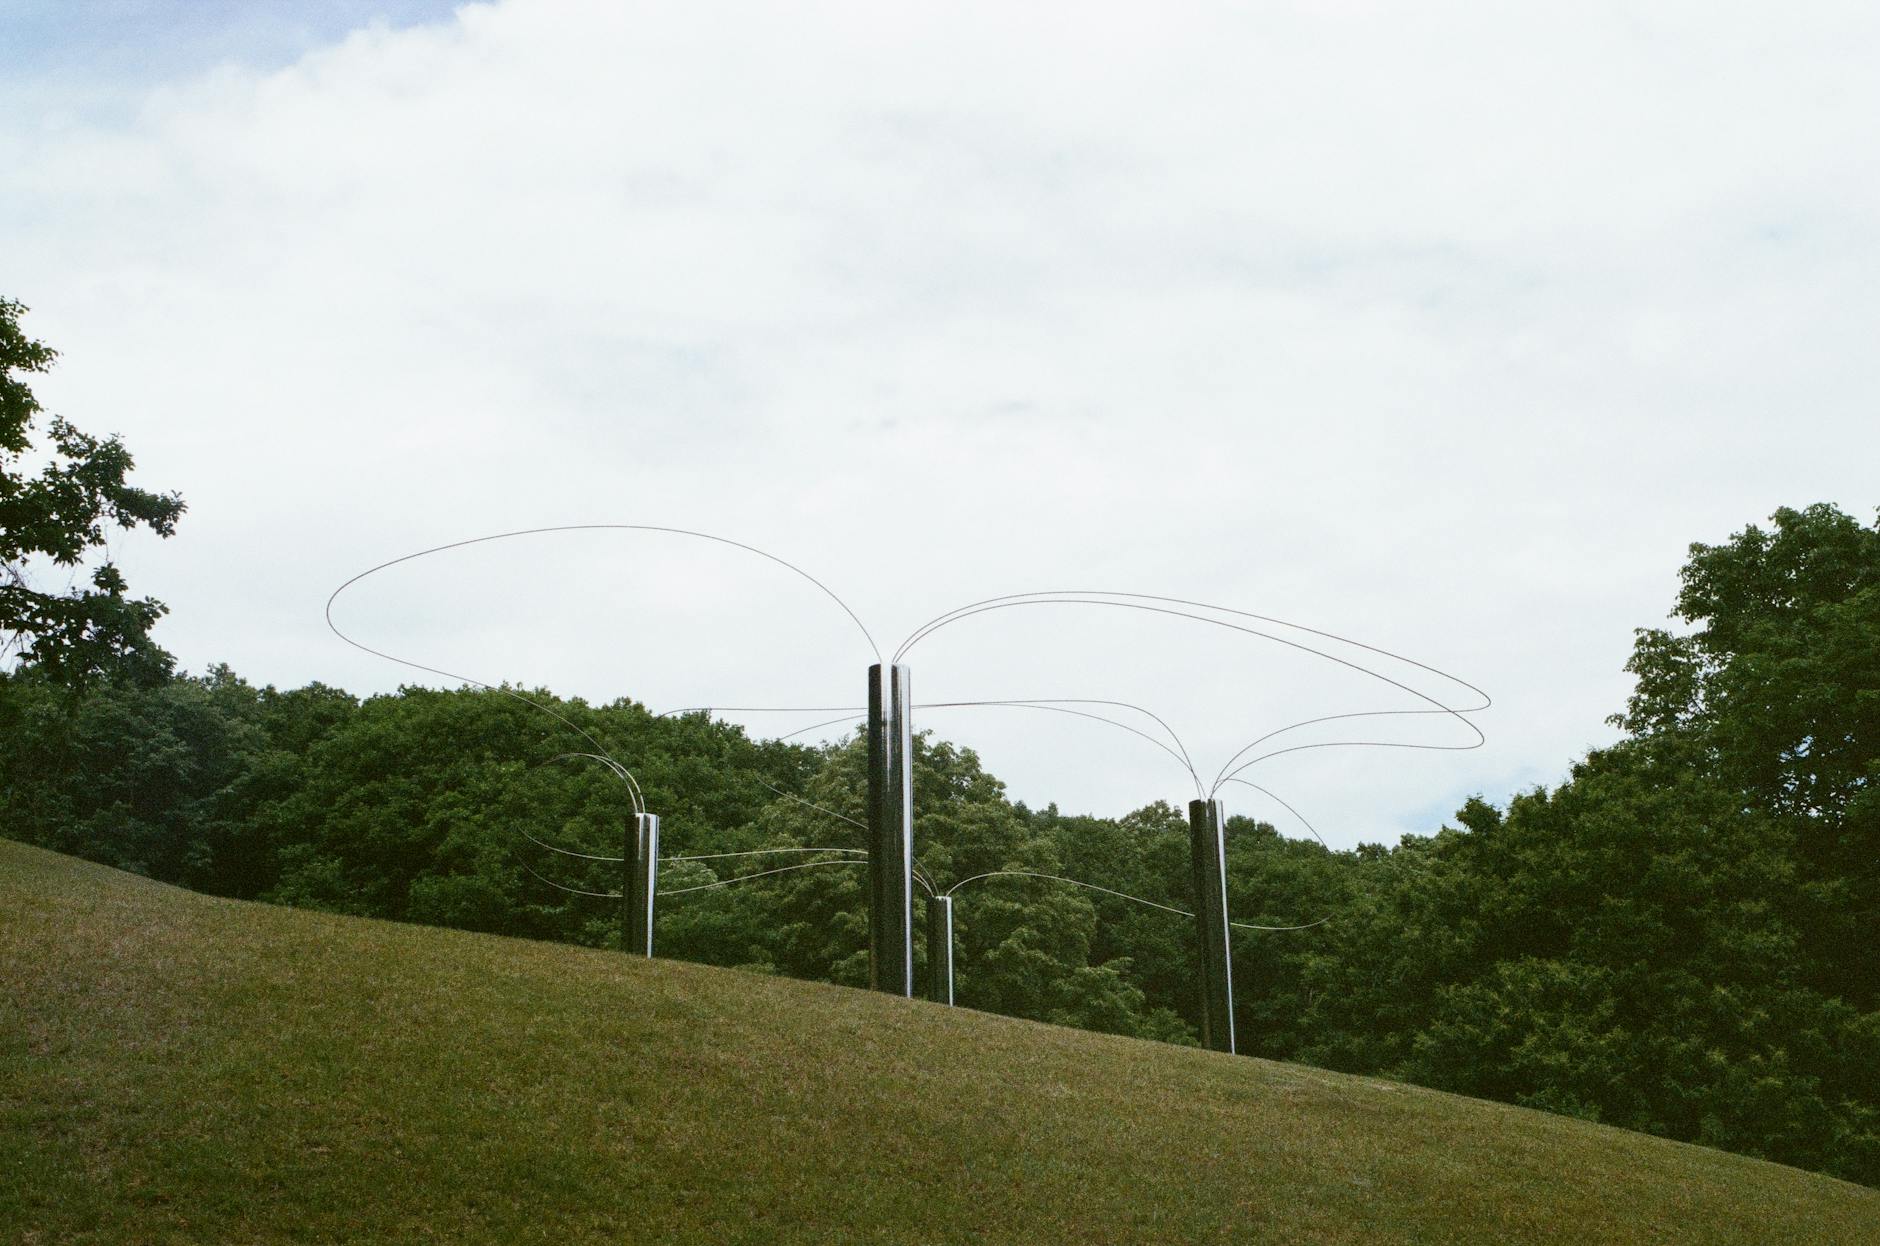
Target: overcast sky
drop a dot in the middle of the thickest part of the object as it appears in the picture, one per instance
(1442, 327)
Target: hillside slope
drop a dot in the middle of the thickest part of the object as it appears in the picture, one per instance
(175, 1067)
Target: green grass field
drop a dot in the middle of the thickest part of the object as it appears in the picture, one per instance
(175, 1067)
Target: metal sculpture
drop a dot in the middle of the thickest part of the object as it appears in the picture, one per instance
(1207, 849)
(888, 821)
(890, 830)
(642, 884)
(940, 949)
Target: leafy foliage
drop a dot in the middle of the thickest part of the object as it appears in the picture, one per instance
(1677, 940)
(58, 515)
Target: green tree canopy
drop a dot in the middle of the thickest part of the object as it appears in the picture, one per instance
(1776, 691)
(56, 515)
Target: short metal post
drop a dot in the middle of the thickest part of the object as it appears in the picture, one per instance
(640, 884)
(940, 949)
(1207, 838)
(890, 831)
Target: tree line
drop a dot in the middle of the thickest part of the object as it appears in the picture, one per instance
(1677, 939)
(1680, 938)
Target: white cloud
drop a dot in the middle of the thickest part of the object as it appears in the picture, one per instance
(1446, 328)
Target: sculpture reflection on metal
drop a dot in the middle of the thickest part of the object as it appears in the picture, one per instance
(940, 949)
(1207, 848)
(890, 830)
(642, 847)
(888, 817)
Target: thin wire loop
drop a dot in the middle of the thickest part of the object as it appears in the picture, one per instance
(847, 718)
(762, 709)
(950, 616)
(1166, 908)
(586, 856)
(1057, 704)
(1306, 926)
(599, 895)
(1288, 808)
(745, 878)
(1053, 704)
(1100, 597)
(585, 527)
(811, 804)
(620, 772)
(759, 852)
(559, 717)
(1059, 878)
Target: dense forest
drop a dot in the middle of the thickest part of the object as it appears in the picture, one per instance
(1679, 938)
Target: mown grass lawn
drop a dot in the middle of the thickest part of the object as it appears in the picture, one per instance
(176, 1068)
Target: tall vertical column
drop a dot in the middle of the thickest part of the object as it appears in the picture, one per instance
(890, 831)
(640, 884)
(940, 949)
(1207, 841)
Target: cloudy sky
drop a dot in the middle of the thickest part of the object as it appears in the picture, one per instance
(1446, 328)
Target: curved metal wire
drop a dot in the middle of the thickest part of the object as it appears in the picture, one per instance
(620, 772)
(811, 804)
(500, 536)
(1091, 598)
(921, 632)
(1305, 926)
(1059, 878)
(852, 712)
(1230, 771)
(1288, 808)
(1101, 597)
(1057, 704)
(1124, 895)
(760, 852)
(586, 527)
(1305, 748)
(599, 895)
(1053, 704)
(744, 878)
(586, 856)
(1050, 702)
(762, 709)
(847, 718)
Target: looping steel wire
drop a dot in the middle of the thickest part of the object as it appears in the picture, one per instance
(589, 527)
(745, 878)
(1052, 704)
(1057, 705)
(1134, 601)
(1288, 808)
(639, 805)
(599, 895)
(620, 772)
(811, 804)
(1124, 895)
(586, 856)
(760, 852)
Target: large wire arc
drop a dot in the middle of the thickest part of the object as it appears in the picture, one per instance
(1275, 798)
(620, 772)
(501, 536)
(745, 878)
(585, 527)
(1123, 895)
(1051, 704)
(1135, 601)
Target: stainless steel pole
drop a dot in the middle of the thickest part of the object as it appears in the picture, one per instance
(642, 883)
(940, 949)
(890, 831)
(1207, 841)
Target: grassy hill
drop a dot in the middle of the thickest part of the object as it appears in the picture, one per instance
(175, 1067)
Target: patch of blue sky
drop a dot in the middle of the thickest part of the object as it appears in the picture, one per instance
(128, 44)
